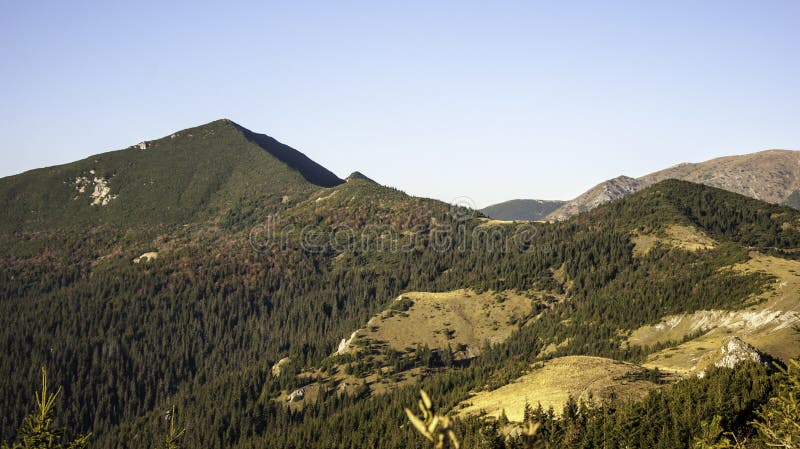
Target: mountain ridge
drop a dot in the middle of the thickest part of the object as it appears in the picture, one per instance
(770, 175)
(521, 209)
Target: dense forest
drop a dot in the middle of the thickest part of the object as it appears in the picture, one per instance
(200, 327)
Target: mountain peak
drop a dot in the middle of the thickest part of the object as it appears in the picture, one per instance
(295, 160)
(358, 176)
(192, 174)
(223, 120)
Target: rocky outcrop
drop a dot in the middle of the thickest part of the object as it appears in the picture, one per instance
(100, 189)
(735, 351)
(344, 345)
(101, 195)
(146, 257)
(297, 395)
(276, 368)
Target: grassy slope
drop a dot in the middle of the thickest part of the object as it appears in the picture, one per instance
(551, 385)
(684, 219)
(463, 319)
(456, 318)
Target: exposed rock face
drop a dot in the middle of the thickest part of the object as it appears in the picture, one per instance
(81, 183)
(344, 345)
(101, 191)
(101, 195)
(771, 176)
(146, 257)
(735, 351)
(143, 145)
(597, 195)
(296, 395)
(276, 368)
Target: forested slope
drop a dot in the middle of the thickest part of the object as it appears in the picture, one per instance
(201, 325)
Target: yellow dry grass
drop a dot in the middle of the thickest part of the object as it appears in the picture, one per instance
(457, 318)
(462, 319)
(679, 236)
(493, 222)
(580, 377)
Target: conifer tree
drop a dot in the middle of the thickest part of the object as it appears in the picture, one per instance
(172, 440)
(38, 430)
(779, 419)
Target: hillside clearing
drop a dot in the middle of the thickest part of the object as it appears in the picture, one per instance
(678, 236)
(460, 318)
(584, 378)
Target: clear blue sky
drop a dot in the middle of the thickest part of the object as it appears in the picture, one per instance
(491, 100)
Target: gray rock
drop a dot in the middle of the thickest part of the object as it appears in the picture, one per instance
(276, 368)
(735, 351)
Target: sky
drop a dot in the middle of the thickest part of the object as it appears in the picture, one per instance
(485, 100)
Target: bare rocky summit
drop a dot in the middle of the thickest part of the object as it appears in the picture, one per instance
(597, 195)
(772, 176)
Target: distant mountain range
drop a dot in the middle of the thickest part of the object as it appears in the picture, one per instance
(772, 176)
(522, 209)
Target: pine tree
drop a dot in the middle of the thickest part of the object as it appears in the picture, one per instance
(712, 436)
(171, 441)
(38, 430)
(779, 419)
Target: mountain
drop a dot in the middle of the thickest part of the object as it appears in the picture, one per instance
(196, 173)
(597, 195)
(793, 200)
(207, 252)
(227, 294)
(358, 176)
(772, 176)
(521, 209)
